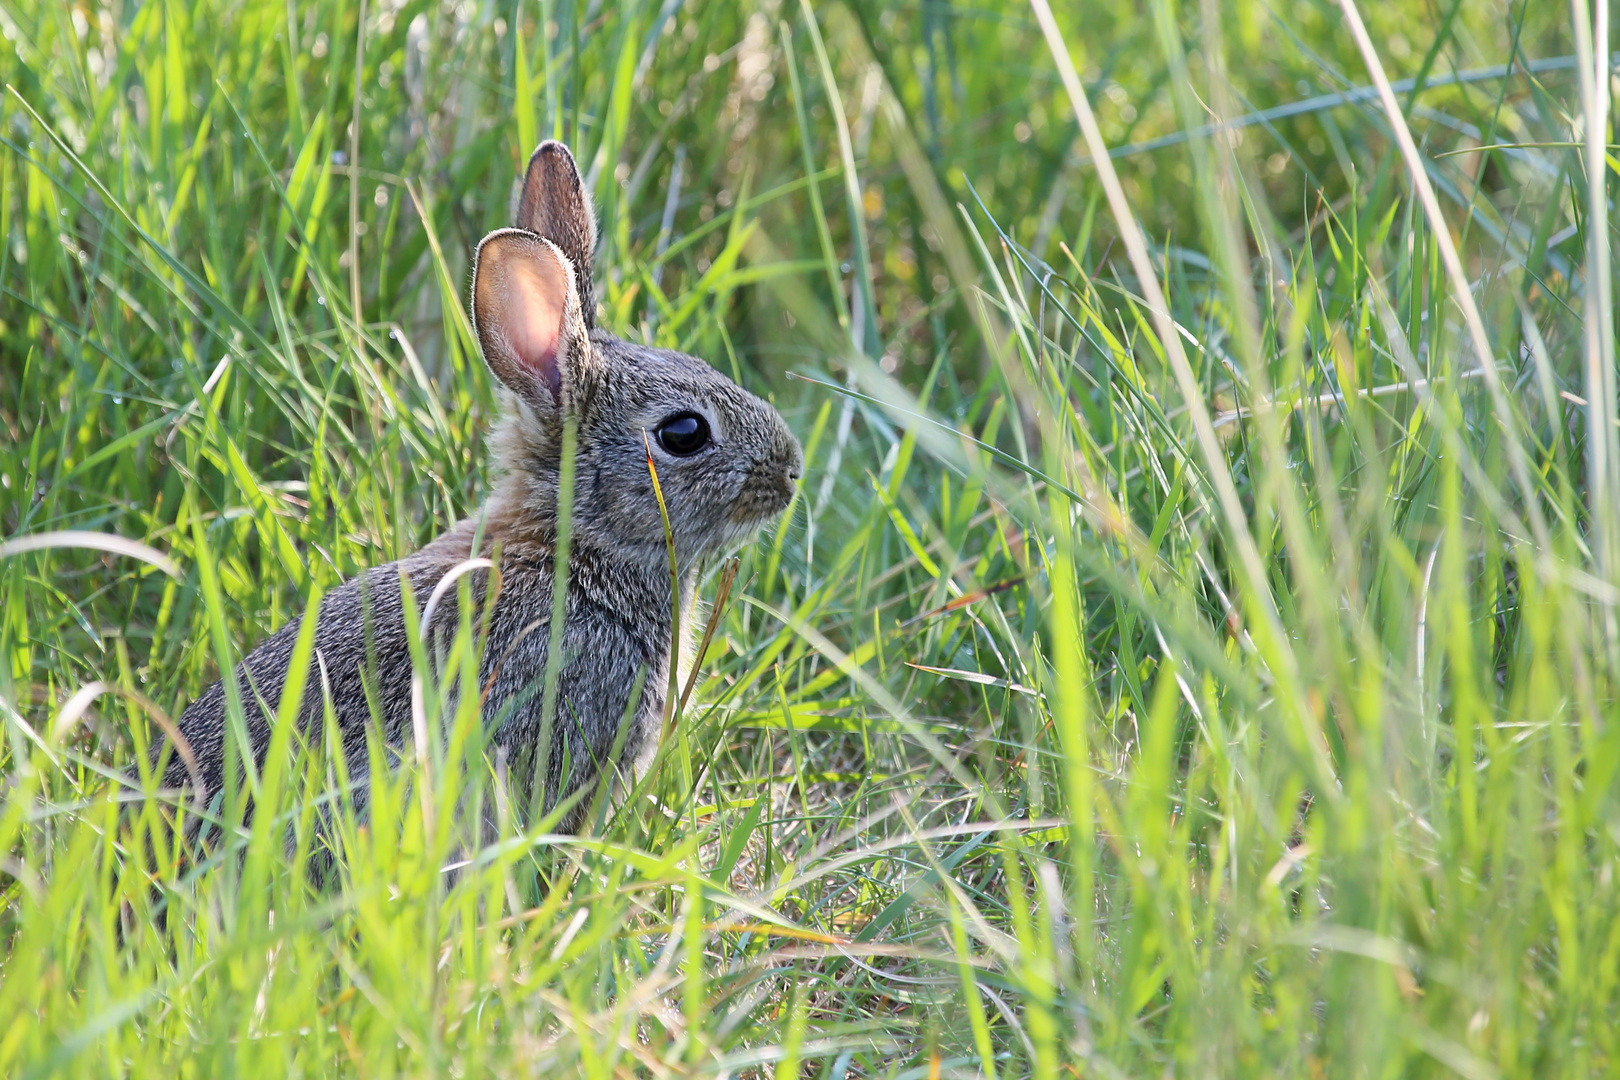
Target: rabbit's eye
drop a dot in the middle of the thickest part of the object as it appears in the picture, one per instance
(684, 433)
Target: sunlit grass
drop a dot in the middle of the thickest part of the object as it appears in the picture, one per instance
(1186, 653)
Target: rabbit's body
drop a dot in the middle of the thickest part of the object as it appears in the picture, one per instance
(615, 628)
(625, 401)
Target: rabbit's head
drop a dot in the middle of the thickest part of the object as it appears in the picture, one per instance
(726, 461)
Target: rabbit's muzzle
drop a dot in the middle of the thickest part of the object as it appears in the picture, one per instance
(770, 484)
(766, 493)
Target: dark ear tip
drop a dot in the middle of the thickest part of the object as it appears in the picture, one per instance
(549, 152)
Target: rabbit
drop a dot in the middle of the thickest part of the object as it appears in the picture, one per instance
(727, 464)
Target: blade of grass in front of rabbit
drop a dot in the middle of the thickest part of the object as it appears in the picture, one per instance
(722, 594)
(214, 605)
(427, 767)
(559, 610)
(595, 815)
(674, 612)
(277, 760)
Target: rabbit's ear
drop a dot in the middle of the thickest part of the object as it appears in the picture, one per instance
(555, 205)
(526, 311)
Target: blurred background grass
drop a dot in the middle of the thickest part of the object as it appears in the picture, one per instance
(1232, 702)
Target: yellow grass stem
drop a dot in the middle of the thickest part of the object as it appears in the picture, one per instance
(670, 694)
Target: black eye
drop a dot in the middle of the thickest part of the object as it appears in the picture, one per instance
(684, 433)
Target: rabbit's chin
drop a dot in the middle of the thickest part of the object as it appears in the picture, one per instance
(737, 532)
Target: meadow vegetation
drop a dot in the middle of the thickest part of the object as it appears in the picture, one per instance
(1193, 649)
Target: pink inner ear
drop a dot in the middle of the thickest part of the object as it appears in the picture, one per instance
(536, 307)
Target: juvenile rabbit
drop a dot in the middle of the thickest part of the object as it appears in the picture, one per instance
(726, 461)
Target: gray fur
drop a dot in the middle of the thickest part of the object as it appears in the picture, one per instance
(618, 600)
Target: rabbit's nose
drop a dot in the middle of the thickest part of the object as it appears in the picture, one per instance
(792, 456)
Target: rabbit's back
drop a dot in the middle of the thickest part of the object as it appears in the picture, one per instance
(359, 638)
(611, 635)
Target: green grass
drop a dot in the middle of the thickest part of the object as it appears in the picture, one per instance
(1220, 688)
